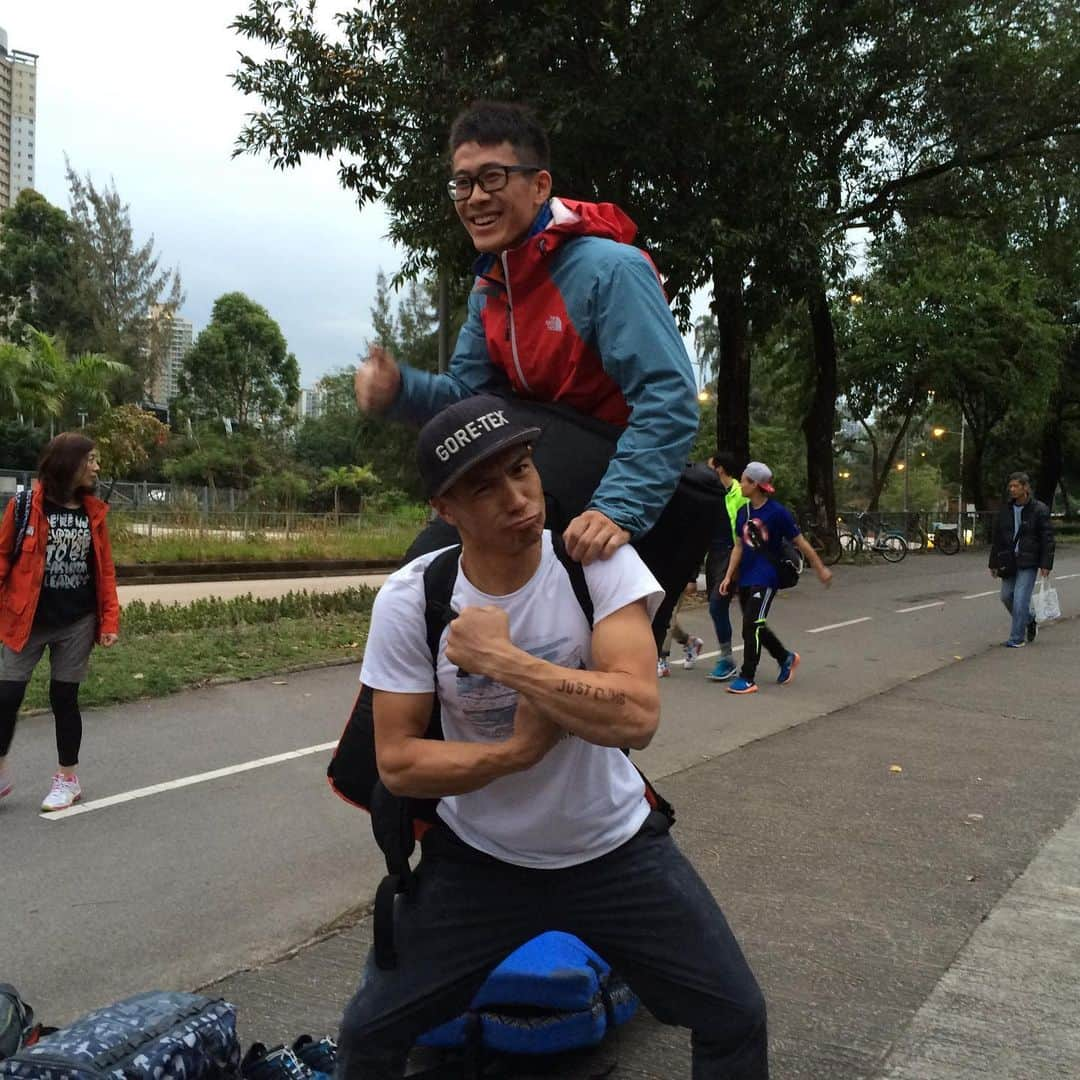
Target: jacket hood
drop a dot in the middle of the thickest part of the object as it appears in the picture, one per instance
(577, 218)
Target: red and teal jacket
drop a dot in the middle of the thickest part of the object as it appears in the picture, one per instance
(576, 315)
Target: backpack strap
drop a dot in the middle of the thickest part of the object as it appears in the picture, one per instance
(576, 573)
(22, 520)
(394, 817)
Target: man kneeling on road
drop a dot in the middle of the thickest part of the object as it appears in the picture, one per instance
(544, 821)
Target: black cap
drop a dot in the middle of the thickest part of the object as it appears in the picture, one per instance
(463, 435)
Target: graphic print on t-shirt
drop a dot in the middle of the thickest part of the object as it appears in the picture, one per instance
(67, 559)
(489, 706)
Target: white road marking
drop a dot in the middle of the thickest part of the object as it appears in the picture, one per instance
(976, 595)
(1063, 577)
(710, 655)
(838, 625)
(185, 781)
(919, 607)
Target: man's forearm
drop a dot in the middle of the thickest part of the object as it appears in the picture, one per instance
(423, 394)
(434, 768)
(811, 556)
(602, 707)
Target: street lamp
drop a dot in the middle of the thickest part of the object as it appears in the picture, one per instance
(940, 432)
(703, 396)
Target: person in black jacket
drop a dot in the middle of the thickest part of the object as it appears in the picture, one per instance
(1022, 543)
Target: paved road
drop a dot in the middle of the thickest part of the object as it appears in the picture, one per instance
(200, 876)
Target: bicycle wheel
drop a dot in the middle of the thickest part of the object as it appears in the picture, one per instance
(892, 548)
(828, 547)
(947, 541)
(849, 544)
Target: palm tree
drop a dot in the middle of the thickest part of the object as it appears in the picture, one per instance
(350, 477)
(41, 389)
(14, 361)
(61, 388)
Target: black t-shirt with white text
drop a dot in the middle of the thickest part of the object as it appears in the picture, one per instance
(68, 590)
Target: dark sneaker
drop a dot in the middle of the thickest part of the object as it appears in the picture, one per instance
(321, 1055)
(1014, 644)
(1032, 629)
(741, 686)
(787, 668)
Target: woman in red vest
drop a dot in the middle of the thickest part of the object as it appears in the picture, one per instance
(57, 588)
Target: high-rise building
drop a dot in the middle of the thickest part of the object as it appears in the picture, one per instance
(178, 335)
(18, 108)
(311, 404)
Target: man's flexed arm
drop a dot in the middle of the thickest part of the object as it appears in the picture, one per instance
(423, 768)
(614, 704)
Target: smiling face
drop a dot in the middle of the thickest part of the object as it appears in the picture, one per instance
(497, 506)
(499, 220)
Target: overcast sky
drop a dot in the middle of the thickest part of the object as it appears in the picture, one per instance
(139, 91)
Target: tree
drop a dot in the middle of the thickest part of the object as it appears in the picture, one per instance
(759, 133)
(121, 287)
(215, 459)
(37, 267)
(62, 389)
(127, 438)
(944, 312)
(355, 478)
(240, 366)
(344, 436)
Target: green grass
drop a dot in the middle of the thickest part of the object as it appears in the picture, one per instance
(172, 535)
(163, 650)
(388, 545)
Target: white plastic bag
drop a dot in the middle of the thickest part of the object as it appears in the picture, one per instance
(1044, 602)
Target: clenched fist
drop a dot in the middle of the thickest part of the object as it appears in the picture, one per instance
(377, 381)
(479, 637)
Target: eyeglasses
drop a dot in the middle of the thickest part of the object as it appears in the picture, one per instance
(491, 178)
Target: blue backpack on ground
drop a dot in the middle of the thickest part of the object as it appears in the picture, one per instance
(146, 1037)
(551, 995)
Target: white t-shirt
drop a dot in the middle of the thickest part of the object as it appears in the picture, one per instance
(581, 800)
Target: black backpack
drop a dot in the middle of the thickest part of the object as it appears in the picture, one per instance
(397, 822)
(788, 563)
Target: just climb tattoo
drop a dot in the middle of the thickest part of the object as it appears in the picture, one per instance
(599, 693)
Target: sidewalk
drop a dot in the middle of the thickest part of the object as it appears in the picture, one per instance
(859, 893)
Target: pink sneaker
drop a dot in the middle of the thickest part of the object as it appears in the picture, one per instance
(6, 786)
(65, 792)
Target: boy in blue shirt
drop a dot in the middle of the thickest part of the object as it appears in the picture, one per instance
(762, 525)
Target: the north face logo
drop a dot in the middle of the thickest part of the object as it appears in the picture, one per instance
(553, 322)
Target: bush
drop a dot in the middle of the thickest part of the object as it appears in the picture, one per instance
(142, 618)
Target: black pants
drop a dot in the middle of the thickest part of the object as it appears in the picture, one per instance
(64, 699)
(755, 602)
(642, 907)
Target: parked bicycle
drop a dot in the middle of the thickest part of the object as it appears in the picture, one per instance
(826, 542)
(946, 538)
(871, 540)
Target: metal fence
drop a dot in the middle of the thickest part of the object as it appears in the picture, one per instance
(243, 525)
(920, 527)
(140, 495)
